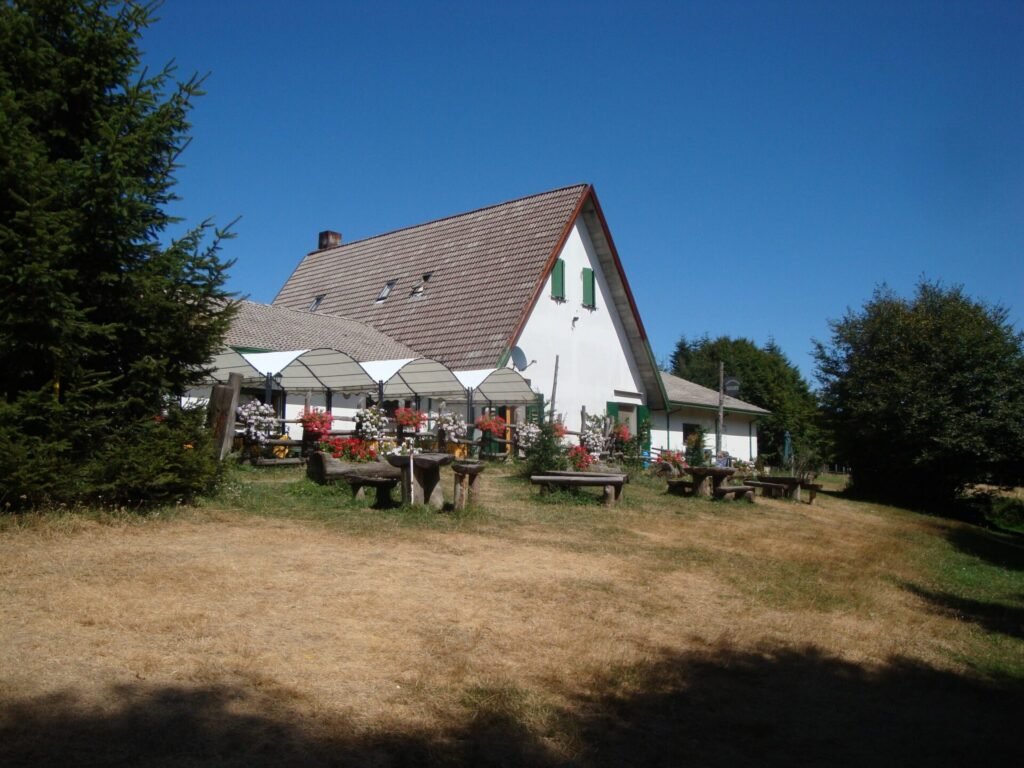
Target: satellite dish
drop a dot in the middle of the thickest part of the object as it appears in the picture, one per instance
(732, 387)
(518, 359)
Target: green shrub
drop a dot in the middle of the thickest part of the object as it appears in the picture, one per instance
(160, 460)
(546, 452)
(695, 447)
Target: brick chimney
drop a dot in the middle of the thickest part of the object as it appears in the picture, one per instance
(329, 239)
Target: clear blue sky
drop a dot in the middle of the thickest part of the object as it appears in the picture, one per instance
(762, 165)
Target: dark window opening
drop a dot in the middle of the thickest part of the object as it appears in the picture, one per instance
(386, 291)
(315, 304)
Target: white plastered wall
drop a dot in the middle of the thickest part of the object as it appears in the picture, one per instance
(595, 363)
(739, 435)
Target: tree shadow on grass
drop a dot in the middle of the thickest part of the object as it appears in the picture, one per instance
(995, 617)
(714, 708)
(1005, 550)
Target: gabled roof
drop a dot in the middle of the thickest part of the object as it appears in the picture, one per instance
(486, 270)
(483, 267)
(274, 328)
(683, 392)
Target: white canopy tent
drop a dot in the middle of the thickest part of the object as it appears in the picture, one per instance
(331, 369)
(417, 377)
(498, 385)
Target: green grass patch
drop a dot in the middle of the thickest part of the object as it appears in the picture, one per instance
(976, 576)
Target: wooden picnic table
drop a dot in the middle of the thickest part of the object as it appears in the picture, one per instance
(792, 485)
(707, 480)
(421, 477)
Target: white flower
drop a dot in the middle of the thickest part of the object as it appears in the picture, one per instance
(405, 448)
(259, 419)
(370, 423)
(452, 423)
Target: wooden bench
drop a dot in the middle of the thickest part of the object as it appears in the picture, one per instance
(612, 484)
(596, 473)
(737, 491)
(772, 490)
(383, 484)
(681, 487)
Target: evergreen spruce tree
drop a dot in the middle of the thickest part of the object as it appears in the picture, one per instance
(103, 323)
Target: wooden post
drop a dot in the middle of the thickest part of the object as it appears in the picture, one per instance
(554, 389)
(721, 408)
(221, 414)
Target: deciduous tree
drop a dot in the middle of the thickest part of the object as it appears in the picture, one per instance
(925, 395)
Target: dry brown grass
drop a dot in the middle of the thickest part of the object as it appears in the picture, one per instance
(669, 631)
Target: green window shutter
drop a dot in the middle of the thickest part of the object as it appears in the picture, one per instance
(612, 409)
(558, 280)
(588, 288)
(643, 425)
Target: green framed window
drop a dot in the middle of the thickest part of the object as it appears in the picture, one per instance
(589, 294)
(558, 281)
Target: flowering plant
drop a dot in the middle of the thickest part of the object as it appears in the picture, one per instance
(529, 434)
(559, 429)
(316, 422)
(592, 436)
(580, 458)
(370, 423)
(675, 458)
(452, 423)
(493, 424)
(410, 417)
(258, 418)
(405, 448)
(349, 449)
(620, 432)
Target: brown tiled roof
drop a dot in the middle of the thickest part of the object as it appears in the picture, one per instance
(279, 329)
(684, 392)
(484, 267)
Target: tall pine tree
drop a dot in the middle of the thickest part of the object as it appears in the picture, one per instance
(103, 323)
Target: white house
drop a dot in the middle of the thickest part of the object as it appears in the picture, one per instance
(534, 283)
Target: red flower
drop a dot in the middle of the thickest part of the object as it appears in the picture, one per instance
(349, 449)
(559, 429)
(580, 458)
(410, 417)
(317, 422)
(493, 424)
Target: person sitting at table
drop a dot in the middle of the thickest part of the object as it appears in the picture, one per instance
(723, 459)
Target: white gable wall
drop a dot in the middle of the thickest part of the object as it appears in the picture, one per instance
(596, 365)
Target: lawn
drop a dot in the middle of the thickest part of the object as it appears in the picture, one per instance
(284, 623)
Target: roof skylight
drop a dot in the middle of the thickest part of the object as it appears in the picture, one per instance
(386, 291)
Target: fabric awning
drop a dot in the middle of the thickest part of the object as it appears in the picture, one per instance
(421, 376)
(498, 385)
(321, 369)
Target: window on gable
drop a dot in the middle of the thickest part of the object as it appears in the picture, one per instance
(386, 291)
(315, 304)
(589, 294)
(558, 281)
